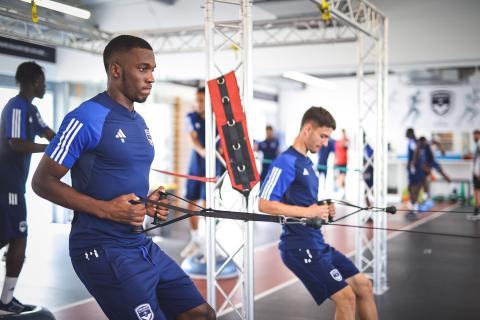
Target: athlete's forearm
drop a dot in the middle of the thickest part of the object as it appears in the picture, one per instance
(197, 146)
(26, 146)
(48, 185)
(282, 209)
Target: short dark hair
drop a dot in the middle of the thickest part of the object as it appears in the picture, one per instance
(320, 118)
(123, 43)
(476, 132)
(28, 72)
(410, 133)
(422, 140)
(201, 90)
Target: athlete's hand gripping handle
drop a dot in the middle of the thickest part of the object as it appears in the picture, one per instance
(324, 202)
(137, 229)
(156, 218)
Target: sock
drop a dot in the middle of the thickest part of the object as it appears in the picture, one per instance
(194, 236)
(8, 288)
(415, 207)
(476, 210)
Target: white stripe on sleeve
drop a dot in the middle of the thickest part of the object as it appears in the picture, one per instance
(62, 138)
(16, 114)
(70, 142)
(272, 181)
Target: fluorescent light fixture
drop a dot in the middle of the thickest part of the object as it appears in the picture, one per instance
(60, 7)
(305, 78)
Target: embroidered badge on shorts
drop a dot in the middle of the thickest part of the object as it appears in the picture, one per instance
(22, 226)
(336, 275)
(144, 312)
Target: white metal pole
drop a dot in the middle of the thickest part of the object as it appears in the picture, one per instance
(210, 154)
(247, 29)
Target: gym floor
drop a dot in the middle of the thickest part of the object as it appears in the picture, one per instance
(435, 277)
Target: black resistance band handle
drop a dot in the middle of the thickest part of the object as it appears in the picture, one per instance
(156, 219)
(315, 223)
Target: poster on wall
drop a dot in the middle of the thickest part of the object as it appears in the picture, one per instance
(449, 110)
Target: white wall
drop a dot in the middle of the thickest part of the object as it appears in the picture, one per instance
(341, 102)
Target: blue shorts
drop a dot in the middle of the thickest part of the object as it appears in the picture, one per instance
(13, 216)
(136, 283)
(323, 272)
(416, 178)
(195, 190)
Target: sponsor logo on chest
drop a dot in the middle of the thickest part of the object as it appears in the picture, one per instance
(121, 136)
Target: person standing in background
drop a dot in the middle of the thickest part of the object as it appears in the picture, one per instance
(341, 161)
(195, 123)
(476, 177)
(269, 148)
(20, 123)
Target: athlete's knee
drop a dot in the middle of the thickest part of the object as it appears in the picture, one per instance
(364, 287)
(345, 298)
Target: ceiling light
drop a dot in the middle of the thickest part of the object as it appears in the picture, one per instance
(305, 78)
(60, 7)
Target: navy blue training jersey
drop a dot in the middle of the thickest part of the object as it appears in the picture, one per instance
(109, 151)
(269, 148)
(20, 120)
(323, 154)
(292, 179)
(195, 122)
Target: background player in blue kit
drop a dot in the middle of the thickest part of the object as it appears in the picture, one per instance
(269, 148)
(323, 154)
(195, 123)
(291, 189)
(20, 123)
(109, 150)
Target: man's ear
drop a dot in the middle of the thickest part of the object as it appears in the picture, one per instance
(307, 127)
(115, 70)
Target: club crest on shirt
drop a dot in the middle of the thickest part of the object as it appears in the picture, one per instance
(305, 172)
(336, 275)
(197, 125)
(149, 136)
(144, 312)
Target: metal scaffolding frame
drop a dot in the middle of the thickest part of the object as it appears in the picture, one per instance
(352, 21)
(294, 31)
(371, 252)
(369, 27)
(237, 36)
(17, 24)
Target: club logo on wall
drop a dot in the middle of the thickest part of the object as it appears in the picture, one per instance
(441, 102)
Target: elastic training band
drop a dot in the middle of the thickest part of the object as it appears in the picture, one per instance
(186, 176)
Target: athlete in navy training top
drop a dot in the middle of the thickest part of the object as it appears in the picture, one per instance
(195, 123)
(20, 123)
(269, 148)
(109, 150)
(291, 189)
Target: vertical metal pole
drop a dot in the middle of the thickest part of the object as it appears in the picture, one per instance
(360, 75)
(380, 183)
(210, 155)
(247, 78)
